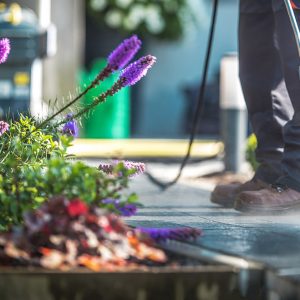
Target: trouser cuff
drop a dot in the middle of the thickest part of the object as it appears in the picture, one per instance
(289, 182)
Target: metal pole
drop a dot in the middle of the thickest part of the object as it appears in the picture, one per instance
(233, 115)
(293, 22)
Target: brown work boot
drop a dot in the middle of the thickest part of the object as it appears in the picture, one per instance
(272, 199)
(225, 194)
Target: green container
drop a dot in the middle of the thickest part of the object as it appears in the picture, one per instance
(111, 119)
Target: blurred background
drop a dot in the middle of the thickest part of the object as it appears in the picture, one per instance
(175, 31)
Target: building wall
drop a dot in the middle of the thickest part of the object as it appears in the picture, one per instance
(161, 102)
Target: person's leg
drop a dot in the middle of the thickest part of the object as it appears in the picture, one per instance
(285, 193)
(265, 94)
(264, 89)
(290, 64)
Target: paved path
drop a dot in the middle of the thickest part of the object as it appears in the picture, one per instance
(272, 239)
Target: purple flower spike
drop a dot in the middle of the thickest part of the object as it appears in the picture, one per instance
(4, 49)
(124, 209)
(159, 234)
(3, 127)
(70, 128)
(106, 168)
(123, 54)
(138, 167)
(135, 71)
(115, 202)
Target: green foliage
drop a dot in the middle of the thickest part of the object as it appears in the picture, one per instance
(34, 166)
(250, 151)
(161, 19)
(24, 144)
(76, 179)
(25, 150)
(30, 186)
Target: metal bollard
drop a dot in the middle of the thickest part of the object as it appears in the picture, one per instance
(233, 114)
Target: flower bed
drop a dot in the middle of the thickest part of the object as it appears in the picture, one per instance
(202, 282)
(59, 213)
(34, 164)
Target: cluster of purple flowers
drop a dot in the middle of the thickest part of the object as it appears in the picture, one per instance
(70, 128)
(161, 234)
(3, 127)
(137, 167)
(4, 49)
(124, 53)
(124, 209)
(117, 60)
(135, 71)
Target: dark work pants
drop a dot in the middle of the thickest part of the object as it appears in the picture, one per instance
(269, 73)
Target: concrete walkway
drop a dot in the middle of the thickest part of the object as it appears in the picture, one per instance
(271, 239)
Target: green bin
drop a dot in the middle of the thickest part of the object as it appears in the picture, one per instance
(109, 120)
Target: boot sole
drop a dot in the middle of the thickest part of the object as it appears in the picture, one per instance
(224, 202)
(266, 209)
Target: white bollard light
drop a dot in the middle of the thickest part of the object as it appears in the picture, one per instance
(233, 114)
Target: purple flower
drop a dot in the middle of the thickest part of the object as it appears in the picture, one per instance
(115, 202)
(3, 127)
(127, 210)
(159, 234)
(121, 56)
(138, 167)
(135, 71)
(4, 49)
(70, 128)
(106, 168)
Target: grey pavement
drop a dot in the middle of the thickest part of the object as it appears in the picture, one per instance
(271, 239)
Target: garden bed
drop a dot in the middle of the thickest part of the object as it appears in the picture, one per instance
(200, 282)
(183, 278)
(284, 284)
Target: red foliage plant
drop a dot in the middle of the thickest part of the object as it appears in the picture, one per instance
(64, 234)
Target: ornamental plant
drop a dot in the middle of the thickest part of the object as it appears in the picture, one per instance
(67, 211)
(35, 166)
(64, 234)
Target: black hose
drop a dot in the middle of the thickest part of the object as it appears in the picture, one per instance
(199, 105)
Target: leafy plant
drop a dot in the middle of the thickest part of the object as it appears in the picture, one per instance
(47, 192)
(35, 166)
(25, 144)
(30, 186)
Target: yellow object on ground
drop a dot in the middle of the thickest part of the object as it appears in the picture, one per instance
(109, 148)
